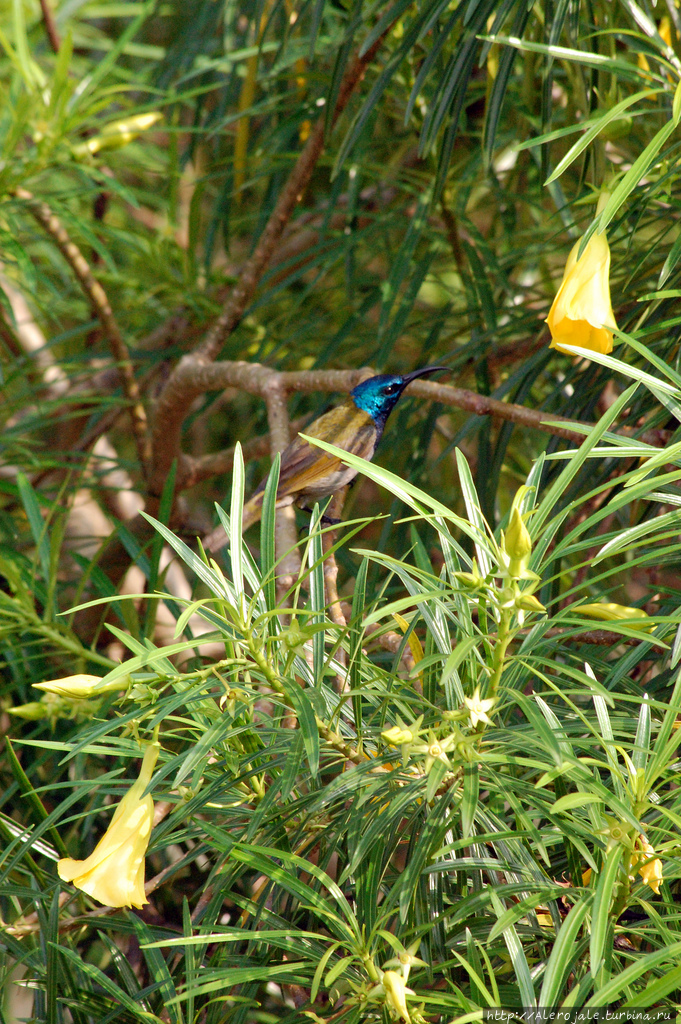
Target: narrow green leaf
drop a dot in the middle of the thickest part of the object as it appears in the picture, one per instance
(474, 513)
(29, 500)
(566, 803)
(618, 986)
(268, 534)
(317, 601)
(601, 922)
(236, 543)
(307, 723)
(560, 961)
(518, 958)
(356, 638)
(158, 970)
(218, 584)
(469, 800)
(641, 751)
(595, 60)
(655, 991)
(670, 263)
(633, 176)
(630, 538)
(117, 993)
(32, 797)
(676, 104)
(592, 129)
(321, 967)
(89, 83)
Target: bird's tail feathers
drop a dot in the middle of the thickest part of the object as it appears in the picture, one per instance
(218, 538)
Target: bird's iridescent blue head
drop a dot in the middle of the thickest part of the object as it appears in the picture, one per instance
(379, 395)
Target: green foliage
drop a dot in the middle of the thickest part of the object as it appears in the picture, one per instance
(465, 795)
(497, 856)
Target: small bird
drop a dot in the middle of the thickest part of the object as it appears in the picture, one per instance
(307, 473)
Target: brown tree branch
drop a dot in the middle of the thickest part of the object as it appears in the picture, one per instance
(97, 296)
(192, 379)
(481, 405)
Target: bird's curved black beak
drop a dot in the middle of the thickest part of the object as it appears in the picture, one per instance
(424, 372)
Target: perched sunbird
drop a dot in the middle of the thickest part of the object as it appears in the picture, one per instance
(307, 473)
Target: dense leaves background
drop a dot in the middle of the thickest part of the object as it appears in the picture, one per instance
(433, 228)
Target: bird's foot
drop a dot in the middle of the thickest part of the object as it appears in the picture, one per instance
(325, 520)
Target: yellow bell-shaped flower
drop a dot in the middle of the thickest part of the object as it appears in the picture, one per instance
(651, 870)
(113, 874)
(581, 313)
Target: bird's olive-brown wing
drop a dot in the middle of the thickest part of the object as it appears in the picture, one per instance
(308, 470)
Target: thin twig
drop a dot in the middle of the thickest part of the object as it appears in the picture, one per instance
(333, 602)
(286, 534)
(194, 470)
(50, 26)
(171, 408)
(598, 637)
(9, 337)
(289, 198)
(97, 296)
(481, 405)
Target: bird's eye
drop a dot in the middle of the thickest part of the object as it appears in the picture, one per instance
(390, 389)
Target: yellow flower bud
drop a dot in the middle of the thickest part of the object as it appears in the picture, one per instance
(611, 612)
(395, 991)
(118, 133)
(529, 603)
(80, 687)
(397, 736)
(468, 580)
(581, 313)
(113, 874)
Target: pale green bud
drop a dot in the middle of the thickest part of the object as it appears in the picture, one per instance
(610, 612)
(529, 603)
(33, 712)
(81, 686)
(518, 544)
(397, 736)
(118, 134)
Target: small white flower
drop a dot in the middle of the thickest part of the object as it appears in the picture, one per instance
(478, 708)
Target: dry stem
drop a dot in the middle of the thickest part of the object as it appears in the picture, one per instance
(50, 26)
(172, 405)
(97, 296)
